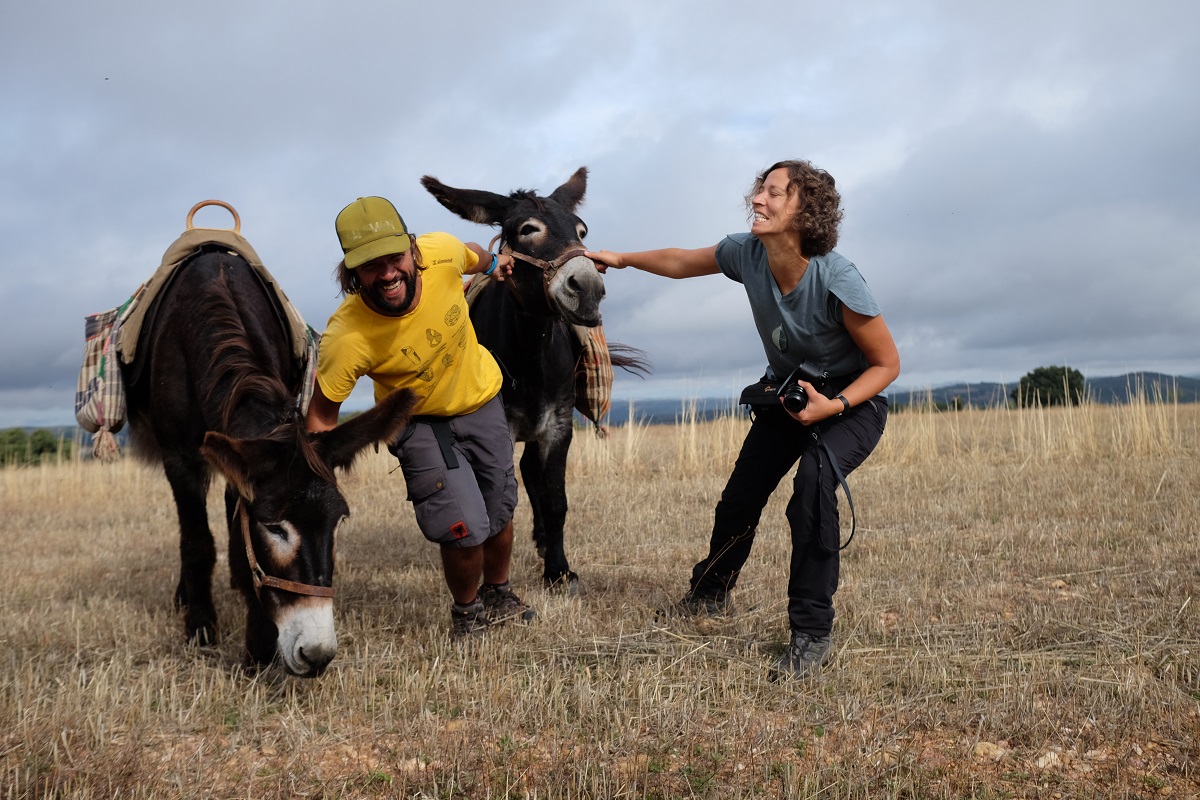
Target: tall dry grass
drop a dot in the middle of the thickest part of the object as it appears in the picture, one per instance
(1016, 619)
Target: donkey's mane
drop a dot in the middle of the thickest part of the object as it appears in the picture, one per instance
(234, 364)
(525, 194)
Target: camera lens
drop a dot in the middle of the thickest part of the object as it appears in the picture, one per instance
(795, 399)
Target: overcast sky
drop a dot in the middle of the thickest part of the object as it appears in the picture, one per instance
(1021, 180)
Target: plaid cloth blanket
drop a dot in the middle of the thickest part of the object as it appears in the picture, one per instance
(100, 392)
(593, 376)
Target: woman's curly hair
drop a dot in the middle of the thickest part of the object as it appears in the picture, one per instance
(347, 279)
(820, 213)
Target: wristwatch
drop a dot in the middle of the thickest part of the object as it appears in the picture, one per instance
(845, 404)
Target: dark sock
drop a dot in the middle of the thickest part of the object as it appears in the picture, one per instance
(462, 609)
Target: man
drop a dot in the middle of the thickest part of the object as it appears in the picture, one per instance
(404, 323)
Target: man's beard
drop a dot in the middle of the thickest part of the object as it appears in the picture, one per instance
(410, 292)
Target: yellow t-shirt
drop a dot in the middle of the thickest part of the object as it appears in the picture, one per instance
(432, 349)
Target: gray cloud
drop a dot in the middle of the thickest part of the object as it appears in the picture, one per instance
(1020, 181)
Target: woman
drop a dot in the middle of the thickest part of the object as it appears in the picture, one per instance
(810, 305)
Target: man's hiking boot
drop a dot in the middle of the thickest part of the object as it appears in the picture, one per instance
(803, 657)
(697, 605)
(468, 622)
(502, 604)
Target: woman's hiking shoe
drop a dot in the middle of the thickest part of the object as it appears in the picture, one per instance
(697, 605)
(803, 657)
(468, 621)
(502, 604)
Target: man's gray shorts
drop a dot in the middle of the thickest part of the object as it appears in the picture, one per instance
(463, 505)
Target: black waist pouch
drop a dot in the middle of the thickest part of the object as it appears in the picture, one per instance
(763, 393)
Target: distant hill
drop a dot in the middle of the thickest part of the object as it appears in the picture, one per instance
(1152, 385)
(668, 411)
(1107, 390)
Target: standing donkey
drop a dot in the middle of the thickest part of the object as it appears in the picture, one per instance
(525, 322)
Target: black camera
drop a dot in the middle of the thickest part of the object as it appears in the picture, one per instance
(793, 395)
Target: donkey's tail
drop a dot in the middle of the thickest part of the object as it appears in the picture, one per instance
(630, 359)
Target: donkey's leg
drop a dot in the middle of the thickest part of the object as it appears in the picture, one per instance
(552, 502)
(531, 476)
(197, 555)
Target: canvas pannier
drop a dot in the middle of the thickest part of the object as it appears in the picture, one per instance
(100, 392)
(593, 376)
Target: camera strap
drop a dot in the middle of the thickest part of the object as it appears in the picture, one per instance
(841, 479)
(441, 433)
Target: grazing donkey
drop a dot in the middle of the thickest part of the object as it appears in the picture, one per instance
(526, 322)
(215, 385)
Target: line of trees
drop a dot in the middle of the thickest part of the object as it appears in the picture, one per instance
(17, 447)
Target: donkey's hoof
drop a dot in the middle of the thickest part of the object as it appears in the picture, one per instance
(567, 584)
(202, 635)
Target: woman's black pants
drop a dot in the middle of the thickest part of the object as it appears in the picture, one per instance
(774, 443)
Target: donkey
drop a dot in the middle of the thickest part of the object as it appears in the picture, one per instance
(214, 386)
(525, 322)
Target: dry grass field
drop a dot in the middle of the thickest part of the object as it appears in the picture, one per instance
(1017, 618)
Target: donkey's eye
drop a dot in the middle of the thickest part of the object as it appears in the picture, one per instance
(528, 230)
(277, 530)
(581, 231)
(282, 539)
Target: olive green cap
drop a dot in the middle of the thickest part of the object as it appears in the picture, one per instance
(371, 227)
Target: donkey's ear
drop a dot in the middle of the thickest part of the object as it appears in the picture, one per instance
(475, 205)
(382, 423)
(570, 194)
(229, 458)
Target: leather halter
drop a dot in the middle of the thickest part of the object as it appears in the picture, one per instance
(549, 268)
(261, 578)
